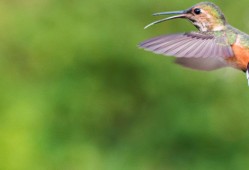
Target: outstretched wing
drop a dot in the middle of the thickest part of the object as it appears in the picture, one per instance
(198, 47)
(194, 44)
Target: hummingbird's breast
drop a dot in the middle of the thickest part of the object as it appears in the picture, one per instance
(241, 52)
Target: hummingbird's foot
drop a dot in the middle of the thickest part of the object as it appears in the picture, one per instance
(247, 73)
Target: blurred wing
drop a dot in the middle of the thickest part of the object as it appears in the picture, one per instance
(206, 64)
(188, 45)
(202, 51)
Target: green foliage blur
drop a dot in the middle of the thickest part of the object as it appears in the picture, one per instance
(78, 94)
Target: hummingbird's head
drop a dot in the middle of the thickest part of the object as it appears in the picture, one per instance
(205, 16)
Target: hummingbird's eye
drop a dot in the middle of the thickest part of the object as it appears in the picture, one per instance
(197, 11)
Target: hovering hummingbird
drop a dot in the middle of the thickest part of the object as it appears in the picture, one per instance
(217, 44)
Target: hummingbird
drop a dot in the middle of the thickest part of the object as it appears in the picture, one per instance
(216, 44)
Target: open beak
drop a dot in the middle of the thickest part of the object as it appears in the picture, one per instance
(178, 14)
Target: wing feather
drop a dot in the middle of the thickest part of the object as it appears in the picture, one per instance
(188, 49)
(174, 48)
(194, 51)
(194, 44)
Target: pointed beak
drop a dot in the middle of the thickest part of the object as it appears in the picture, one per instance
(177, 14)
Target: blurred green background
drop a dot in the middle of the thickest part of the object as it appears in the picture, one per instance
(77, 93)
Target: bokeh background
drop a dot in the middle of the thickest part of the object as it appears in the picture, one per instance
(76, 93)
